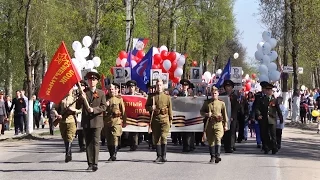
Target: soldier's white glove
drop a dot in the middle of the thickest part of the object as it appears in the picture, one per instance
(210, 114)
(108, 103)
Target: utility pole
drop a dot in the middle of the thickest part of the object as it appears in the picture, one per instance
(128, 24)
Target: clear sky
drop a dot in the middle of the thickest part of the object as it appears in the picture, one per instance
(248, 23)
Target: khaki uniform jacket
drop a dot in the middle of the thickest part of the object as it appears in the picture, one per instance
(68, 113)
(163, 106)
(115, 112)
(217, 108)
(97, 100)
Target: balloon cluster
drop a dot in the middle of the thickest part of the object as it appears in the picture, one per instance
(81, 54)
(169, 62)
(266, 56)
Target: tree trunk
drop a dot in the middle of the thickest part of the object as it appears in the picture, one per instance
(158, 21)
(28, 65)
(96, 31)
(286, 45)
(295, 43)
(8, 54)
(171, 24)
(205, 56)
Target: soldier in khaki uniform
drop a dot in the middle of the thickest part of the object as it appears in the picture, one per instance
(215, 111)
(112, 120)
(161, 118)
(65, 113)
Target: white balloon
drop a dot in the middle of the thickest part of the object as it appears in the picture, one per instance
(263, 69)
(163, 48)
(259, 46)
(123, 62)
(219, 71)
(166, 64)
(246, 77)
(90, 64)
(266, 60)
(273, 55)
(263, 77)
(140, 45)
(274, 75)
(75, 62)
(87, 41)
(82, 62)
(178, 72)
(118, 61)
(303, 87)
(258, 55)
(155, 51)
(272, 67)
(273, 42)
(235, 55)
(266, 48)
(133, 63)
(242, 72)
(207, 76)
(76, 45)
(177, 56)
(78, 54)
(96, 61)
(266, 35)
(85, 52)
(181, 61)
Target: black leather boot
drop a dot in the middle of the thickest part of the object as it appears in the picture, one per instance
(159, 157)
(211, 154)
(164, 152)
(217, 151)
(111, 152)
(114, 157)
(68, 152)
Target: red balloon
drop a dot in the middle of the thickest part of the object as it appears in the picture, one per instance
(248, 87)
(140, 54)
(111, 70)
(123, 54)
(171, 76)
(174, 66)
(175, 80)
(253, 76)
(155, 66)
(157, 59)
(248, 81)
(172, 56)
(119, 65)
(164, 54)
(194, 63)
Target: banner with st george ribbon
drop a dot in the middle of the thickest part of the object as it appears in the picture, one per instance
(186, 113)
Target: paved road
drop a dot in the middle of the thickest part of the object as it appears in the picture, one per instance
(44, 159)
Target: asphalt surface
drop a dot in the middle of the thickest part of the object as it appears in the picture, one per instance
(43, 158)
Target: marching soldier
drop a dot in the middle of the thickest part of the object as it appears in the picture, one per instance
(161, 118)
(188, 138)
(229, 137)
(65, 113)
(266, 111)
(112, 120)
(215, 112)
(133, 136)
(92, 118)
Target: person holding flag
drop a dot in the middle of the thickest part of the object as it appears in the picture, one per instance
(92, 118)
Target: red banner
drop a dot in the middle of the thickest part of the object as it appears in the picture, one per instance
(60, 77)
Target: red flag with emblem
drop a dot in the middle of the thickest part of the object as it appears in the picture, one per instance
(60, 77)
